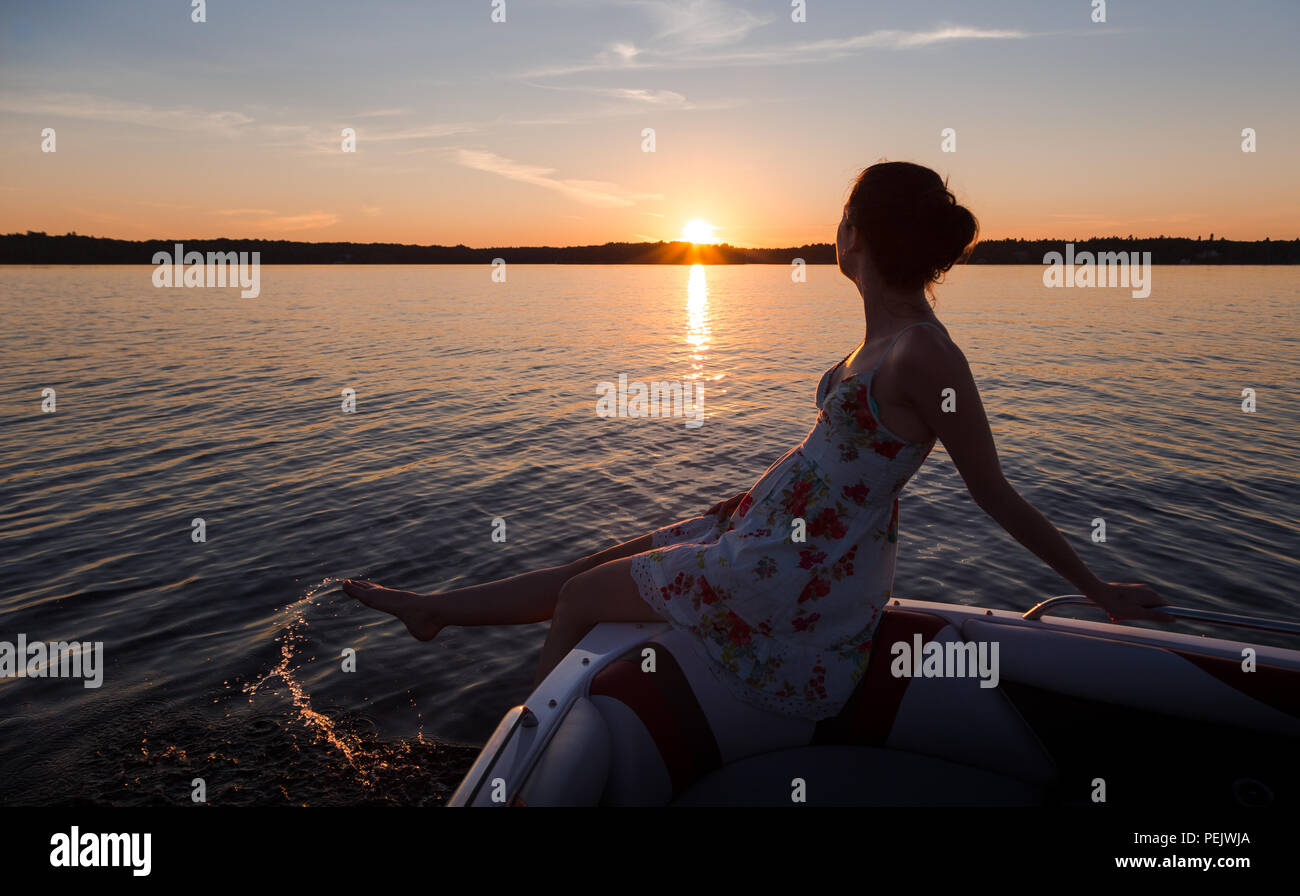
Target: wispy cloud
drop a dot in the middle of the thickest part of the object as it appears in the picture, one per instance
(589, 192)
(636, 96)
(267, 219)
(326, 141)
(899, 40)
(88, 107)
(309, 221)
(621, 50)
(225, 122)
(681, 56)
(701, 22)
(420, 132)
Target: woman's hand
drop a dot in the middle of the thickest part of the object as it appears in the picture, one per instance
(724, 509)
(1127, 601)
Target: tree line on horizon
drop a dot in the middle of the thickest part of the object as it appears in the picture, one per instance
(35, 247)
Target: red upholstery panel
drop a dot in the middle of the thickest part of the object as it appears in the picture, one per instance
(666, 705)
(869, 715)
(1271, 685)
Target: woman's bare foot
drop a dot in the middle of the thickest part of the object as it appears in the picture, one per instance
(415, 610)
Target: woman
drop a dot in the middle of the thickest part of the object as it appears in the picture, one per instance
(781, 587)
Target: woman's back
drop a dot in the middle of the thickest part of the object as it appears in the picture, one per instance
(785, 594)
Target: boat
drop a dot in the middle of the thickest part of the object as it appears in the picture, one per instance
(1079, 713)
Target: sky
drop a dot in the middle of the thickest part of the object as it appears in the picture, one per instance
(530, 131)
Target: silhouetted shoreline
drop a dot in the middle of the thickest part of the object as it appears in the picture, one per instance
(39, 248)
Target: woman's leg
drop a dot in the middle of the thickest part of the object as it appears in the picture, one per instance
(606, 593)
(518, 600)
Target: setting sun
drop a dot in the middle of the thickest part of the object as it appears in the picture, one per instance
(698, 231)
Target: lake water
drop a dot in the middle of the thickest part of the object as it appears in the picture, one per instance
(477, 400)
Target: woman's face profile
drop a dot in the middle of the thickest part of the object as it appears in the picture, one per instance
(844, 243)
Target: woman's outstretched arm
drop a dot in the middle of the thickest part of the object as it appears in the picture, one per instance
(935, 364)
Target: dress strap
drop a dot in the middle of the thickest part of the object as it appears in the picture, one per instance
(900, 333)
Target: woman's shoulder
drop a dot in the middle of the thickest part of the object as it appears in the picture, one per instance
(926, 337)
(926, 351)
(931, 324)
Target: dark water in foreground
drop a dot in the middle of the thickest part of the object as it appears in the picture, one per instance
(476, 400)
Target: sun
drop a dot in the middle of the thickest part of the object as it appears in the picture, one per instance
(698, 231)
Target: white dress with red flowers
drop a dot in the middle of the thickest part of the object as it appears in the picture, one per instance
(787, 624)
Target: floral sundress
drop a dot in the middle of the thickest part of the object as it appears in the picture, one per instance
(785, 623)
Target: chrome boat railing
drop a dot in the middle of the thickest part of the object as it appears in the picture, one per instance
(1209, 616)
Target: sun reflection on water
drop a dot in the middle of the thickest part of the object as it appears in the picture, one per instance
(698, 332)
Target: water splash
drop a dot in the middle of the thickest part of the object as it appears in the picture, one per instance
(364, 759)
(249, 752)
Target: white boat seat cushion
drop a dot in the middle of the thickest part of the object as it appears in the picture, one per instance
(672, 727)
(855, 776)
